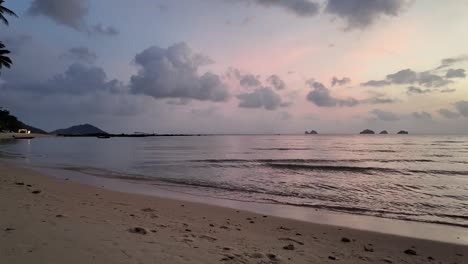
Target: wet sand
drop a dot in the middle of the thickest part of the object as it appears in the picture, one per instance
(49, 220)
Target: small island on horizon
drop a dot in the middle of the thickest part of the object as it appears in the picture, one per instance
(383, 132)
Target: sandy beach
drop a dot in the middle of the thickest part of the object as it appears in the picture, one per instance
(49, 220)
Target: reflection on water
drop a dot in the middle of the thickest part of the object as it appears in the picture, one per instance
(419, 178)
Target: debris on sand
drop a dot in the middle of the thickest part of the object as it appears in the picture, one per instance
(345, 240)
(138, 230)
(289, 247)
(410, 252)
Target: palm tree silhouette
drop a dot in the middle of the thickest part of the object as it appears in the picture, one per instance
(4, 10)
(5, 61)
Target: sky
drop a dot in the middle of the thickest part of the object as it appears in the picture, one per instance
(238, 66)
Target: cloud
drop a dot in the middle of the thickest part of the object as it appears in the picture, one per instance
(448, 114)
(275, 81)
(249, 80)
(78, 79)
(321, 96)
(408, 76)
(455, 73)
(376, 83)
(81, 79)
(384, 115)
(105, 31)
(405, 76)
(16, 43)
(462, 107)
(70, 13)
(447, 90)
(173, 73)
(82, 54)
(302, 8)
(379, 100)
(431, 80)
(416, 90)
(263, 97)
(451, 61)
(422, 115)
(359, 14)
(340, 82)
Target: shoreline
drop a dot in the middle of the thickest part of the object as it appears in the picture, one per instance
(77, 223)
(400, 227)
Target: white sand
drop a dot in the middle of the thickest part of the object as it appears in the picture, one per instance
(73, 223)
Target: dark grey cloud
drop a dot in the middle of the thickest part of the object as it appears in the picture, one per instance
(303, 8)
(104, 30)
(362, 13)
(405, 76)
(416, 90)
(455, 73)
(379, 100)
(448, 114)
(321, 96)
(462, 107)
(249, 80)
(376, 83)
(173, 73)
(447, 90)
(70, 13)
(16, 43)
(422, 115)
(78, 79)
(453, 60)
(408, 76)
(81, 54)
(432, 80)
(81, 79)
(384, 115)
(340, 82)
(263, 97)
(275, 81)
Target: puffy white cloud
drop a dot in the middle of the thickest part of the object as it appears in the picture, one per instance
(173, 73)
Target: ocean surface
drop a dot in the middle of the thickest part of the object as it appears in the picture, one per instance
(408, 177)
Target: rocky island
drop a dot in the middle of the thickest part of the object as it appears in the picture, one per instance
(367, 132)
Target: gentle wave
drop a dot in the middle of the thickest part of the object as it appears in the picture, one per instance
(268, 194)
(310, 160)
(366, 170)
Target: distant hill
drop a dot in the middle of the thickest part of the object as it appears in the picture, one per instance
(81, 130)
(9, 122)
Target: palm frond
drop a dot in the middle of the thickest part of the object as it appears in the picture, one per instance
(3, 19)
(7, 11)
(5, 62)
